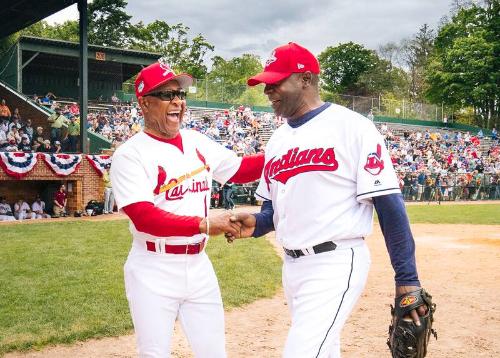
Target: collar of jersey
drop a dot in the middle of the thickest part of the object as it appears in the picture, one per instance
(308, 116)
(176, 141)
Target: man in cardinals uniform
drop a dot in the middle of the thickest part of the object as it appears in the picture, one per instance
(325, 169)
(162, 180)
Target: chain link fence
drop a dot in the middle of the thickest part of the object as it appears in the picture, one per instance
(212, 91)
(387, 107)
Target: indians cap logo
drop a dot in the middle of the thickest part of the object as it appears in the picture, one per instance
(300, 66)
(164, 66)
(408, 300)
(271, 58)
(374, 164)
(141, 86)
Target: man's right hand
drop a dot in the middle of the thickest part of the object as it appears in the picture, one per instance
(247, 222)
(219, 224)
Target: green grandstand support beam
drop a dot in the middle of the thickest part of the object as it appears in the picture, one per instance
(84, 94)
(19, 61)
(30, 59)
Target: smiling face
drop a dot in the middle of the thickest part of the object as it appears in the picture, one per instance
(294, 96)
(163, 118)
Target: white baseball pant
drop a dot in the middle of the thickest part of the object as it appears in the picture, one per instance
(321, 291)
(161, 287)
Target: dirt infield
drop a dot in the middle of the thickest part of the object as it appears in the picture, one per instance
(457, 264)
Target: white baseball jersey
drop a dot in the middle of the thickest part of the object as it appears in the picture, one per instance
(322, 175)
(144, 166)
(164, 287)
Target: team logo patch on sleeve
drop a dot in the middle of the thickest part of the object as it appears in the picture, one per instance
(374, 164)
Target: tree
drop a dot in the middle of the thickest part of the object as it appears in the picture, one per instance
(67, 31)
(172, 42)
(343, 65)
(465, 67)
(389, 52)
(415, 53)
(109, 24)
(228, 77)
(383, 77)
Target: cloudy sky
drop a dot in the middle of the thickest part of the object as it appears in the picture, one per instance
(257, 26)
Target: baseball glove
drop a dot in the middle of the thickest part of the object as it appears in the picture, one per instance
(406, 339)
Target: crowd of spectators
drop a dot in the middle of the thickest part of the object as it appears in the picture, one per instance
(18, 135)
(448, 165)
(433, 165)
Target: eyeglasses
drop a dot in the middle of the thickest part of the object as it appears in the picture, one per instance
(168, 95)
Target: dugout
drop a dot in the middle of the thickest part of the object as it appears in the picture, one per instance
(38, 65)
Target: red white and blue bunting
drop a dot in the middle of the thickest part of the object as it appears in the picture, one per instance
(62, 164)
(17, 164)
(99, 162)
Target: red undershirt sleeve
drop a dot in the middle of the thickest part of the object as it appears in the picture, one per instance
(151, 220)
(250, 169)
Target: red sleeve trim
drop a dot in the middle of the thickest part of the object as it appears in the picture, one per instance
(151, 220)
(250, 169)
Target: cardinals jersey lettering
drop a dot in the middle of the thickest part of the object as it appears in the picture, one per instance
(322, 175)
(147, 169)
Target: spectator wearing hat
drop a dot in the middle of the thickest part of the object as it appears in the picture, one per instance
(74, 109)
(25, 145)
(39, 138)
(38, 208)
(60, 201)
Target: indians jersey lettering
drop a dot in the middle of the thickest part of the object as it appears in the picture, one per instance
(325, 172)
(295, 162)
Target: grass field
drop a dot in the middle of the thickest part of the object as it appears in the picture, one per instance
(62, 282)
(480, 214)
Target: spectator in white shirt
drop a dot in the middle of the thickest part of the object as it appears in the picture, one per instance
(38, 208)
(23, 211)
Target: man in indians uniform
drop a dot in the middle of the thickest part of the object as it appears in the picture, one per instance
(162, 180)
(325, 170)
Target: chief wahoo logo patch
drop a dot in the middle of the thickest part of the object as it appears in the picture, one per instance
(374, 164)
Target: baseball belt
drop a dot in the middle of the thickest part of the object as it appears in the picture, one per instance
(316, 249)
(189, 249)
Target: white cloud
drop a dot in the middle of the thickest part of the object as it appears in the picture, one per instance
(237, 27)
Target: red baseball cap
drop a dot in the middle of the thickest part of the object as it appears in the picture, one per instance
(157, 74)
(285, 60)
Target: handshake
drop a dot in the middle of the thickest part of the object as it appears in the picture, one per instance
(233, 225)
